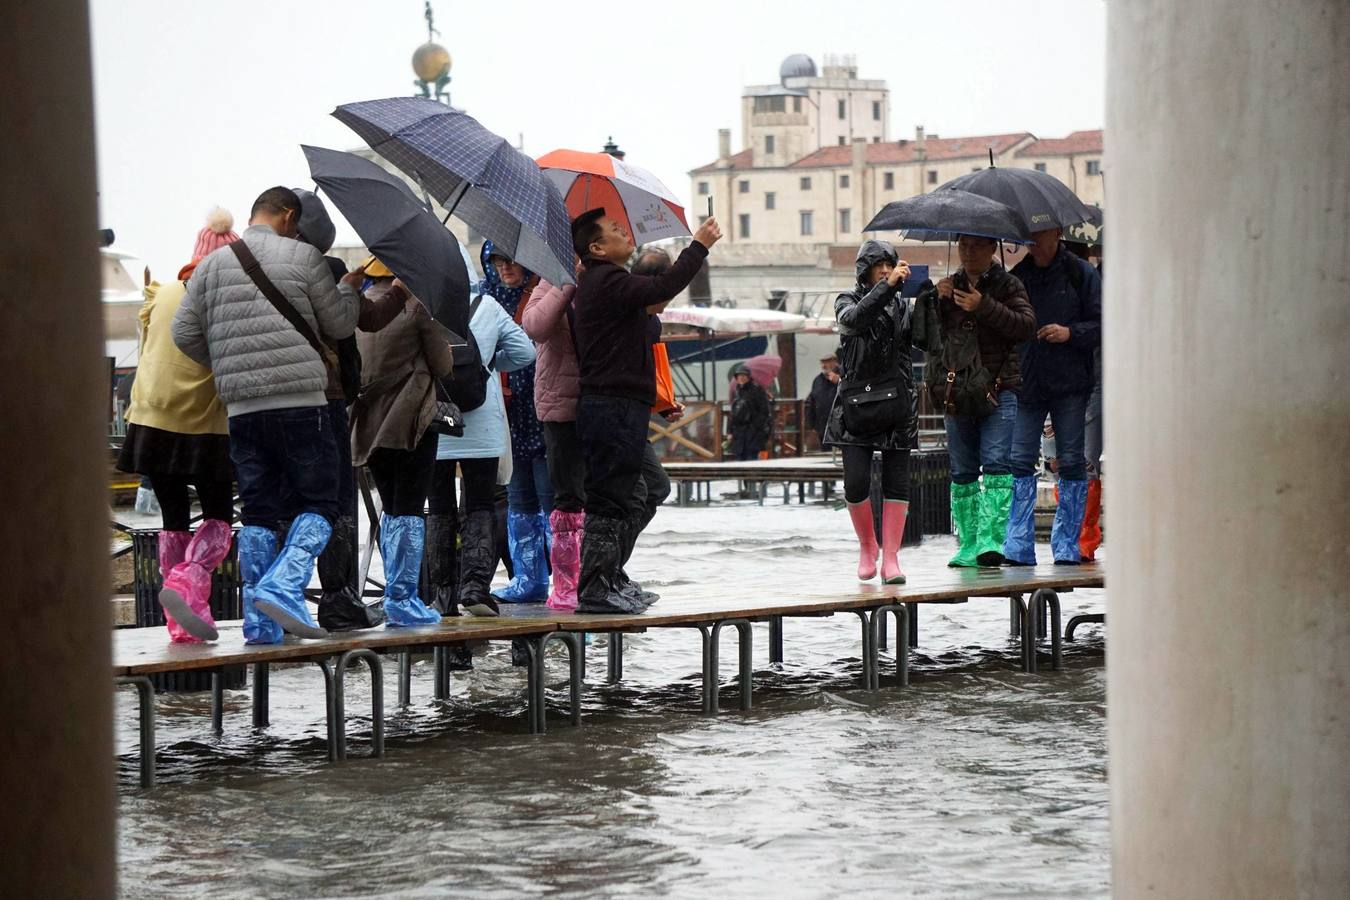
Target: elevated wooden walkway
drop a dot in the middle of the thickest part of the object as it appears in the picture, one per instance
(1033, 595)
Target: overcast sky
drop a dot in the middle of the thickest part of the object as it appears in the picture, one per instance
(200, 103)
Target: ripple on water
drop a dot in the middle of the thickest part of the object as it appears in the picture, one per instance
(978, 780)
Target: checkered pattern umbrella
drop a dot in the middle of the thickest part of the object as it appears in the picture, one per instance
(475, 174)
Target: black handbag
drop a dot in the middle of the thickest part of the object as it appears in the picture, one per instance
(959, 384)
(466, 385)
(874, 407)
(447, 418)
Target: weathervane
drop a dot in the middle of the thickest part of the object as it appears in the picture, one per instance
(431, 63)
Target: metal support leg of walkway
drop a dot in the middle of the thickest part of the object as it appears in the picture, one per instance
(145, 692)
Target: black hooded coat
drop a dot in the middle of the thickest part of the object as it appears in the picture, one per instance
(875, 333)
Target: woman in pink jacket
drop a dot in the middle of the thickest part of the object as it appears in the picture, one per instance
(547, 320)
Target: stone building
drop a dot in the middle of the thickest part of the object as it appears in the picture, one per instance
(818, 162)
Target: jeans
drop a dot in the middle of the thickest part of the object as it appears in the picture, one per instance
(530, 489)
(287, 463)
(1067, 414)
(403, 477)
(858, 473)
(1092, 438)
(566, 466)
(613, 433)
(985, 443)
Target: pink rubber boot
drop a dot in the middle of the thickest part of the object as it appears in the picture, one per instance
(861, 514)
(186, 594)
(565, 557)
(893, 515)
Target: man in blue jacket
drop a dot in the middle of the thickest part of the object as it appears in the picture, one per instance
(1057, 380)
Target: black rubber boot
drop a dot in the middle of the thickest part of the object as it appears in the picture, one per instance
(441, 562)
(500, 538)
(632, 527)
(477, 562)
(341, 607)
(601, 556)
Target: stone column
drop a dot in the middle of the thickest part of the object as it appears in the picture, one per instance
(55, 676)
(1228, 482)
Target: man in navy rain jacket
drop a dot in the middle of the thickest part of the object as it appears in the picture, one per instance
(1057, 380)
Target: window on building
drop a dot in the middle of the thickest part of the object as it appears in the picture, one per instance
(807, 222)
(702, 188)
(932, 176)
(876, 110)
(845, 220)
(843, 109)
(1040, 167)
(768, 144)
(843, 181)
(796, 104)
(770, 104)
(745, 225)
(743, 187)
(888, 181)
(1094, 167)
(843, 141)
(876, 140)
(806, 183)
(770, 199)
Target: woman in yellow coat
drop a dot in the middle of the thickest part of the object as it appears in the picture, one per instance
(178, 436)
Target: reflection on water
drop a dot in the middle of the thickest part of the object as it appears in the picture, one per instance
(976, 780)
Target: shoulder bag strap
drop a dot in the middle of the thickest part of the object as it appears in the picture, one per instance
(278, 300)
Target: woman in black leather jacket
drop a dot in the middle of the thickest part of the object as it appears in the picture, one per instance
(875, 407)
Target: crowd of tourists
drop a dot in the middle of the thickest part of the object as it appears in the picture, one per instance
(267, 364)
(1004, 350)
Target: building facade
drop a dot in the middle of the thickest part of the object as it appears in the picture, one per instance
(818, 162)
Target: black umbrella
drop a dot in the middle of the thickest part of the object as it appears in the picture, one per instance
(475, 174)
(1041, 200)
(399, 229)
(945, 215)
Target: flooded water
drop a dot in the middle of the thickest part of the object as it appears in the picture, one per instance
(977, 780)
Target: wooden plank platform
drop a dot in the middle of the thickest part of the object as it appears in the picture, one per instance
(804, 468)
(146, 651)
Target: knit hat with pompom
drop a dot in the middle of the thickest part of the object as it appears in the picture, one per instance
(215, 234)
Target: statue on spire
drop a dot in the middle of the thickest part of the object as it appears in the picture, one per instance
(431, 64)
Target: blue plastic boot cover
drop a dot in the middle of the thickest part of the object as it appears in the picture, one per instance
(281, 592)
(401, 541)
(1069, 521)
(257, 550)
(1019, 546)
(525, 536)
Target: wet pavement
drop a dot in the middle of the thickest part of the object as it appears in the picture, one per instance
(978, 780)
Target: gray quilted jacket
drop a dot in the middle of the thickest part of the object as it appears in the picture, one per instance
(259, 360)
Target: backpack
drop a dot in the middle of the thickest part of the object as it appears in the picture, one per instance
(466, 385)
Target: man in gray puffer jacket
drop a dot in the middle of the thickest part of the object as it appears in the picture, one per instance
(272, 382)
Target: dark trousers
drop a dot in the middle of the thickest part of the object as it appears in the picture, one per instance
(287, 463)
(653, 485)
(403, 477)
(858, 473)
(338, 422)
(480, 486)
(171, 491)
(613, 433)
(566, 466)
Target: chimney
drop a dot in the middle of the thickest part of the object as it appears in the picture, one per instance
(723, 143)
(859, 152)
(918, 135)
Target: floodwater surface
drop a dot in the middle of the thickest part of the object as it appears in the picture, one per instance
(977, 780)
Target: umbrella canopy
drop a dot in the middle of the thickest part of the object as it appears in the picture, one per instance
(399, 229)
(633, 197)
(1040, 200)
(764, 368)
(474, 174)
(945, 215)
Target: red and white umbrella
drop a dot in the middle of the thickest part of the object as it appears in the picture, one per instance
(632, 196)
